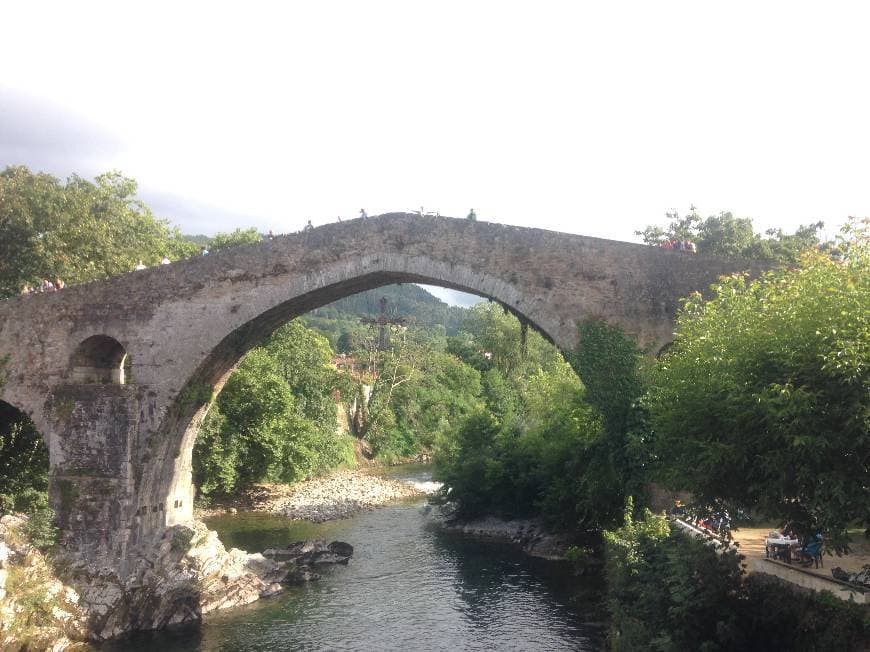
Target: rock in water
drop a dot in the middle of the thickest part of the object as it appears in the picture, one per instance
(298, 558)
(341, 548)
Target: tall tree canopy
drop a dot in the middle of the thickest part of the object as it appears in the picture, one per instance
(726, 235)
(78, 230)
(763, 398)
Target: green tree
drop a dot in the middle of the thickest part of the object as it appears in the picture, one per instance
(79, 231)
(551, 462)
(727, 235)
(275, 419)
(763, 398)
(23, 462)
(669, 592)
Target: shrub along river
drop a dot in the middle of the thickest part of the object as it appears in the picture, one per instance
(407, 587)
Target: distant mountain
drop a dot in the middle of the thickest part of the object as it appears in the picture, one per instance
(407, 300)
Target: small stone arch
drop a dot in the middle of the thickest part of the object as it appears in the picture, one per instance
(100, 359)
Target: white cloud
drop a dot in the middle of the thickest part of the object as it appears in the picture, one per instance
(589, 118)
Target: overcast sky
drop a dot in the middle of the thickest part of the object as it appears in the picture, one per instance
(592, 118)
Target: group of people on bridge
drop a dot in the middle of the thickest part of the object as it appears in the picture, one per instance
(140, 266)
(47, 285)
(680, 245)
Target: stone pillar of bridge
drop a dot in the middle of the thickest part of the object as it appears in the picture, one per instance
(91, 483)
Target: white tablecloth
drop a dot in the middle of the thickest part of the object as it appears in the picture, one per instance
(771, 541)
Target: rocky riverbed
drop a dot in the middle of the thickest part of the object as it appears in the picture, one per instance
(338, 495)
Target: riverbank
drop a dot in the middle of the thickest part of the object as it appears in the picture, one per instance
(340, 494)
(528, 534)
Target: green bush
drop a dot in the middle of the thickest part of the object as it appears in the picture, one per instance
(41, 529)
(668, 592)
(31, 500)
(780, 617)
(768, 382)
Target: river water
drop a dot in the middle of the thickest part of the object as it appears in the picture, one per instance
(407, 587)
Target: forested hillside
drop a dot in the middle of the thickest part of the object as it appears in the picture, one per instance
(421, 310)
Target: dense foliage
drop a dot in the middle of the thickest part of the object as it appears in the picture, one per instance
(420, 395)
(668, 592)
(726, 235)
(275, 419)
(538, 445)
(23, 462)
(78, 230)
(763, 398)
(429, 317)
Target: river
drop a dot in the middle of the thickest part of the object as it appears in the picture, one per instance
(407, 587)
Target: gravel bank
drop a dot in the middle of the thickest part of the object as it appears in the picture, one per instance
(338, 495)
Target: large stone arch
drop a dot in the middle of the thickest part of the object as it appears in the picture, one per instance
(170, 485)
(185, 325)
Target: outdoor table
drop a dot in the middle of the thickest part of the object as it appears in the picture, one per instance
(776, 542)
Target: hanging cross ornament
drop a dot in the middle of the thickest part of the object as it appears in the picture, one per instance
(382, 321)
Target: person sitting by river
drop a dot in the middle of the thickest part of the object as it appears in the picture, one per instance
(27, 289)
(140, 266)
(46, 286)
(58, 283)
(165, 260)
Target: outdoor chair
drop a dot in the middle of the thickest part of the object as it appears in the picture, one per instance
(812, 552)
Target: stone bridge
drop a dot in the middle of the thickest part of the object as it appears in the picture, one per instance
(117, 374)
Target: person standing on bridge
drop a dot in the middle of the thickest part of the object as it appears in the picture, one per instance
(309, 226)
(472, 216)
(362, 213)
